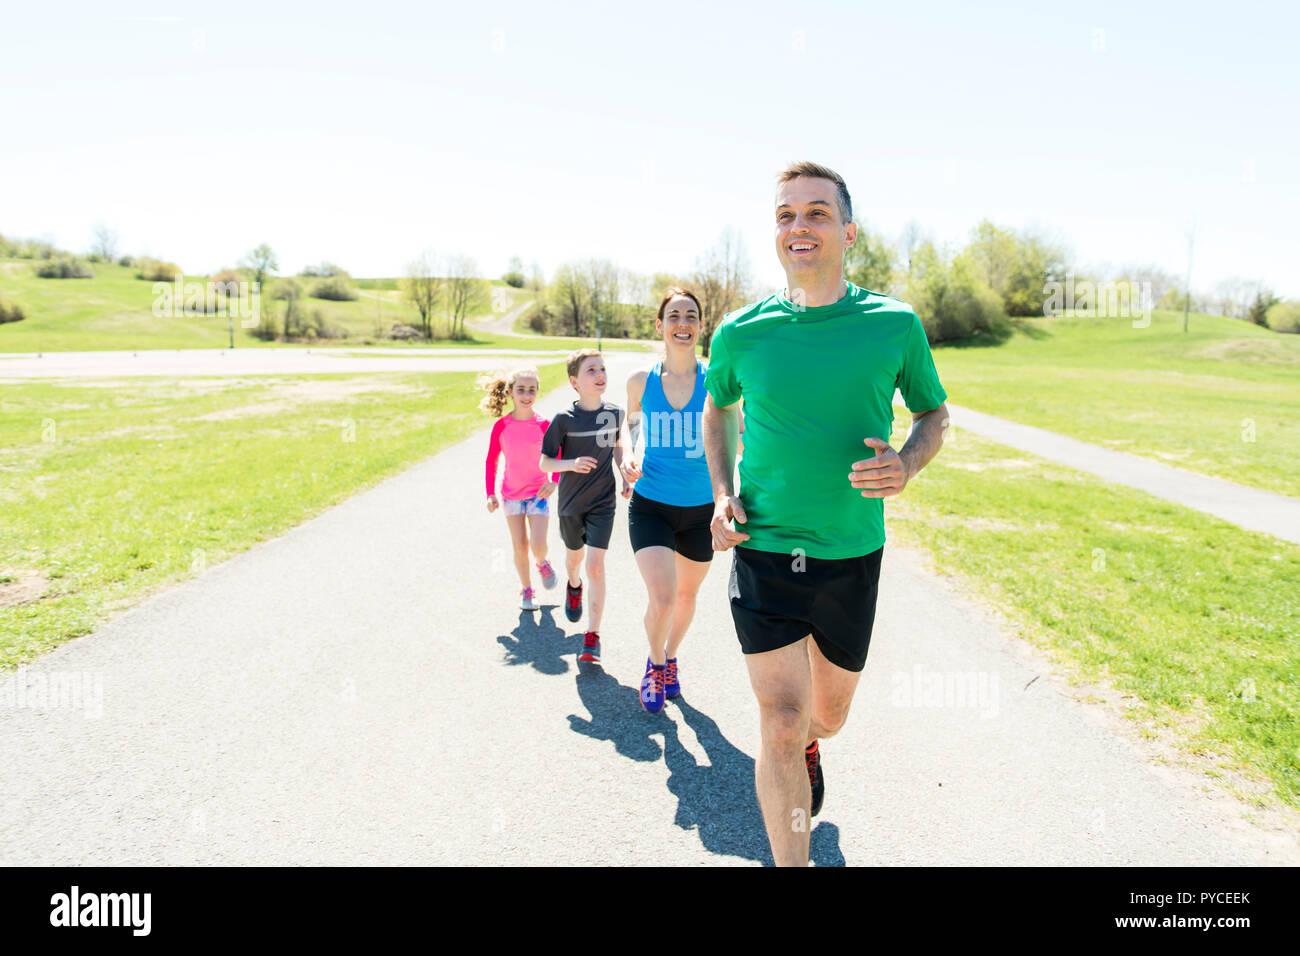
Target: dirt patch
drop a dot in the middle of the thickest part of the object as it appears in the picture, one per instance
(290, 394)
(27, 585)
(1252, 352)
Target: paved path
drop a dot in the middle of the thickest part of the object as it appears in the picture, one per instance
(289, 360)
(1249, 508)
(363, 689)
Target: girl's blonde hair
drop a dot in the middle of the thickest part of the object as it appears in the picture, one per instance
(499, 387)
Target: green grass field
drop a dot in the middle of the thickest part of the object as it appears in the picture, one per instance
(1194, 620)
(114, 310)
(113, 489)
(1223, 399)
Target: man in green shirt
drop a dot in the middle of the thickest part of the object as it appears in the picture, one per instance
(817, 366)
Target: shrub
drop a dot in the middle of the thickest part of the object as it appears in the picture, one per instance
(403, 332)
(322, 328)
(950, 301)
(127, 261)
(64, 266)
(10, 311)
(154, 270)
(1284, 316)
(325, 270)
(514, 279)
(335, 288)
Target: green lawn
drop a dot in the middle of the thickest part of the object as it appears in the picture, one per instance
(114, 310)
(1194, 620)
(1223, 399)
(110, 490)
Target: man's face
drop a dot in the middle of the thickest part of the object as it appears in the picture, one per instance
(591, 376)
(810, 236)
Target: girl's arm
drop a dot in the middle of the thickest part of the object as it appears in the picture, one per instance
(494, 457)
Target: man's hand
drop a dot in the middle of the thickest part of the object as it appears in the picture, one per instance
(726, 510)
(492, 503)
(546, 490)
(582, 465)
(627, 490)
(882, 476)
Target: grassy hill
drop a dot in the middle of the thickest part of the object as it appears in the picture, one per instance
(1222, 399)
(114, 310)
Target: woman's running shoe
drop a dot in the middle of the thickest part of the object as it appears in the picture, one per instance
(526, 602)
(652, 688)
(548, 574)
(590, 648)
(672, 687)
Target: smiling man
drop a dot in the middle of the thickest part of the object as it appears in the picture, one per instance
(817, 366)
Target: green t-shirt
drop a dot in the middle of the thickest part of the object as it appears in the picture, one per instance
(816, 382)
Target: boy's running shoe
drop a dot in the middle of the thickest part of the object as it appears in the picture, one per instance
(652, 688)
(590, 648)
(526, 602)
(672, 687)
(573, 605)
(813, 761)
(548, 574)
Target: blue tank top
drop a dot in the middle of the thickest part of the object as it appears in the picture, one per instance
(674, 470)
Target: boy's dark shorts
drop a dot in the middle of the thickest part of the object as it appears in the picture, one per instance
(834, 600)
(593, 528)
(685, 530)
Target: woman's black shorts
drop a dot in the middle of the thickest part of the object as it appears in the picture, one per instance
(684, 529)
(778, 599)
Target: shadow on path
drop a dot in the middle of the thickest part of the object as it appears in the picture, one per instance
(616, 716)
(718, 800)
(539, 642)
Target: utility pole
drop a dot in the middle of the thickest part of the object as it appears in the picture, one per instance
(598, 332)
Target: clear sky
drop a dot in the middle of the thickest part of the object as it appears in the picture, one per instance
(363, 132)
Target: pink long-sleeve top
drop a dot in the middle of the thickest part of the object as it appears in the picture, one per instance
(521, 442)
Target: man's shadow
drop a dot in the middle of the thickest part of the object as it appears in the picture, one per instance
(718, 800)
(540, 642)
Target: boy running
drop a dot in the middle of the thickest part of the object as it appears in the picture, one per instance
(591, 436)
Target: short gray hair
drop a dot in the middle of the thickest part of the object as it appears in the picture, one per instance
(813, 170)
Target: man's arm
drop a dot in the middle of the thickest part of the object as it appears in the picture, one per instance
(890, 471)
(721, 427)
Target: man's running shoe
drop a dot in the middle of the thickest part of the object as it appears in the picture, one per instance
(548, 574)
(526, 602)
(652, 688)
(672, 688)
(813, 761)
(573, 605)
(590, 648)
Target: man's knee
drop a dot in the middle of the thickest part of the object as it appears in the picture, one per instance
(784, 725)
(830, 720)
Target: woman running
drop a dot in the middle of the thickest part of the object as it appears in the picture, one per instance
(672, 502)
(524, 486)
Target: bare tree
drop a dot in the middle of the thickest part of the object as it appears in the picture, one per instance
(722, 279)
(103, 242)
(536, 281)
(422, 287)
(465, 292)
(909, 241)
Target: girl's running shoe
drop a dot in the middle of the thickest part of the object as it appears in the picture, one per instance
(526, 602)
(652, 688)
(548, 574)
(672, 687)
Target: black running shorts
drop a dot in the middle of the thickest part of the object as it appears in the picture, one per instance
(684, 529)
(778, 599)
(593, 528)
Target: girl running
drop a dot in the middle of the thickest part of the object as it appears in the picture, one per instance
(524, 487)
(672, 503)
